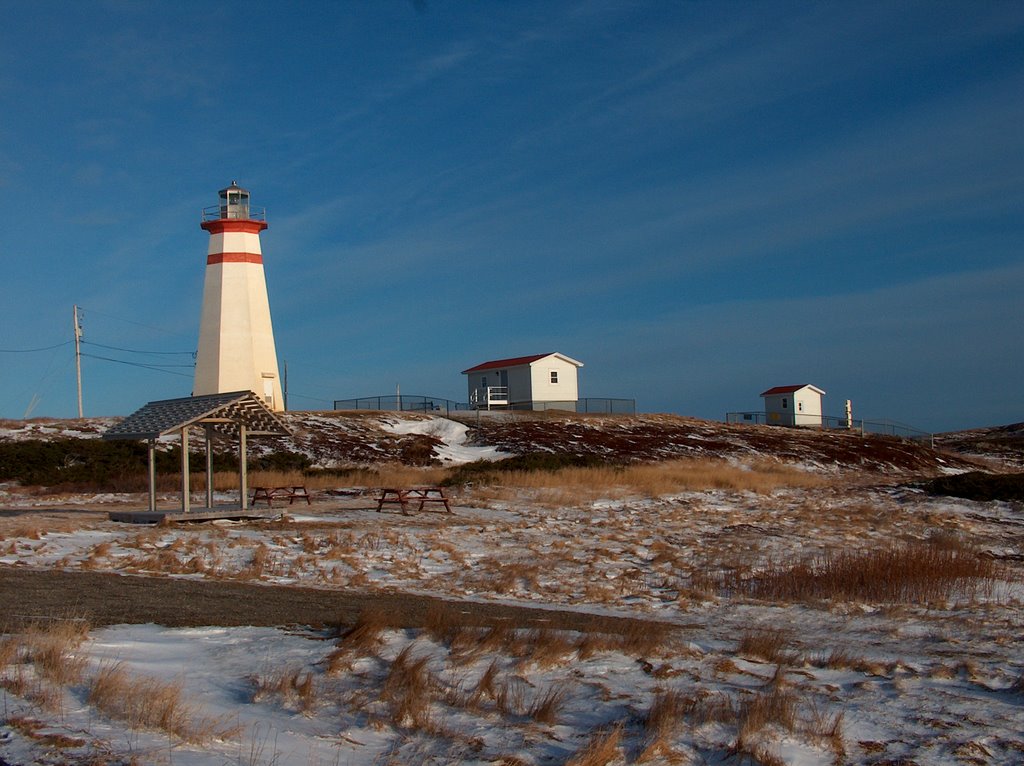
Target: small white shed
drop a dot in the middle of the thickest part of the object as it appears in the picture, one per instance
(537, 382)
(793, 405)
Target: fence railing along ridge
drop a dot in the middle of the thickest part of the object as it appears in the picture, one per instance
(439, 404)
(883, 426)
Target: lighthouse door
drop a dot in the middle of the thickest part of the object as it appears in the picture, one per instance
(268, 392)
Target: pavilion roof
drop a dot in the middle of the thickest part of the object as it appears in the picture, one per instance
(224, 412)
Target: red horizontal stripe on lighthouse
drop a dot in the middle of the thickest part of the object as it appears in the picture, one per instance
(233, 258)
(235, 224)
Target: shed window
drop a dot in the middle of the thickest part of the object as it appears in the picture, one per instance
(785, 403)
(554, 376)
(799, 406)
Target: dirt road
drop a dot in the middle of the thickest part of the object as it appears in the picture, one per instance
(28, 595)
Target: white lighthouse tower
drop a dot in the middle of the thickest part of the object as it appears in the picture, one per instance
(236, 339)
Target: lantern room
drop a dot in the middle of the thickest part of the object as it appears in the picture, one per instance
(233, 206)
(234, 202)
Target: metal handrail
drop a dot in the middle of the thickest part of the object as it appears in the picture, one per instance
(215, 213)
(497, 393)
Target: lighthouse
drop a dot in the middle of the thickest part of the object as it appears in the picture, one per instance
(236, 338)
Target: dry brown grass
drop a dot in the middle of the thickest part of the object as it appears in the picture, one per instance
(382, 475)
(9, 649)
(652, 479)
(603, 748)
(909, 573)
(642, 638)
(547, 705)
(32, 729)
(549, 647)
(667, 713)
(843, 659)
(510, 699)
(442, 622)
(50, 649)
(776, 706)
(767, 644)
(408, 691)
(828, 730)
(143, 702)
(366, 635)
(486, 687)
(293, 688)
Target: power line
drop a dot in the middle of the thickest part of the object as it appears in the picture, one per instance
(33, 350)
(136, 351)
(154, 367)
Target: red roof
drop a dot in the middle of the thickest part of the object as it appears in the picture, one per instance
(514, 362)
(790, 389)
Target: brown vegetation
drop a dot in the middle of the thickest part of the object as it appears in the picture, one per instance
(916, 572)
(293, 688)
(143, 702)
(37, 663)
(601, 750)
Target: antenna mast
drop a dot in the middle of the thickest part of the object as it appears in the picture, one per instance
(78, 359)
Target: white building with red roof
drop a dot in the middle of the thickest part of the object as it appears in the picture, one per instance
(793, 405)
(537, 382)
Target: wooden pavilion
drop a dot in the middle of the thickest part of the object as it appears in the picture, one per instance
(238, 415)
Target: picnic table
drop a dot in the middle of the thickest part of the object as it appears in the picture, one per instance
(270, 494)
(402, 496)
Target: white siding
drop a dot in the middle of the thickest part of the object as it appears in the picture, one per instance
(531, 382)
(565, 390)
(808, 408)
(797, 408)
(236, 349)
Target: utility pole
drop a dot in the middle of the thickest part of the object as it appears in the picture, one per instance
(78, 359)
(285, 382)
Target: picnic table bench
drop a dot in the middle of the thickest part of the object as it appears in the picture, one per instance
(404, 496)
(271, 493)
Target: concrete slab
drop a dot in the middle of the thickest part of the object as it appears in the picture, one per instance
(195, 514)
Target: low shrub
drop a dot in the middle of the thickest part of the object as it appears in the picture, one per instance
(118, 466)
(488, 471)
(978, 485)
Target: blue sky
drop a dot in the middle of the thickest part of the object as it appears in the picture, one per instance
(699, 200)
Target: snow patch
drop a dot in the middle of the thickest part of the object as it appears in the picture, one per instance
(454, 448)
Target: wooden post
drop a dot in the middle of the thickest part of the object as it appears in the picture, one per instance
(243, 490)
(186, 484)
(152, 475)
(209, 467)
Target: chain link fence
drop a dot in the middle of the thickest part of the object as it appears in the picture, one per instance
(882, 427)
(440, 406)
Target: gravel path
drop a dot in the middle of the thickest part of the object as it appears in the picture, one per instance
(28, 596)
